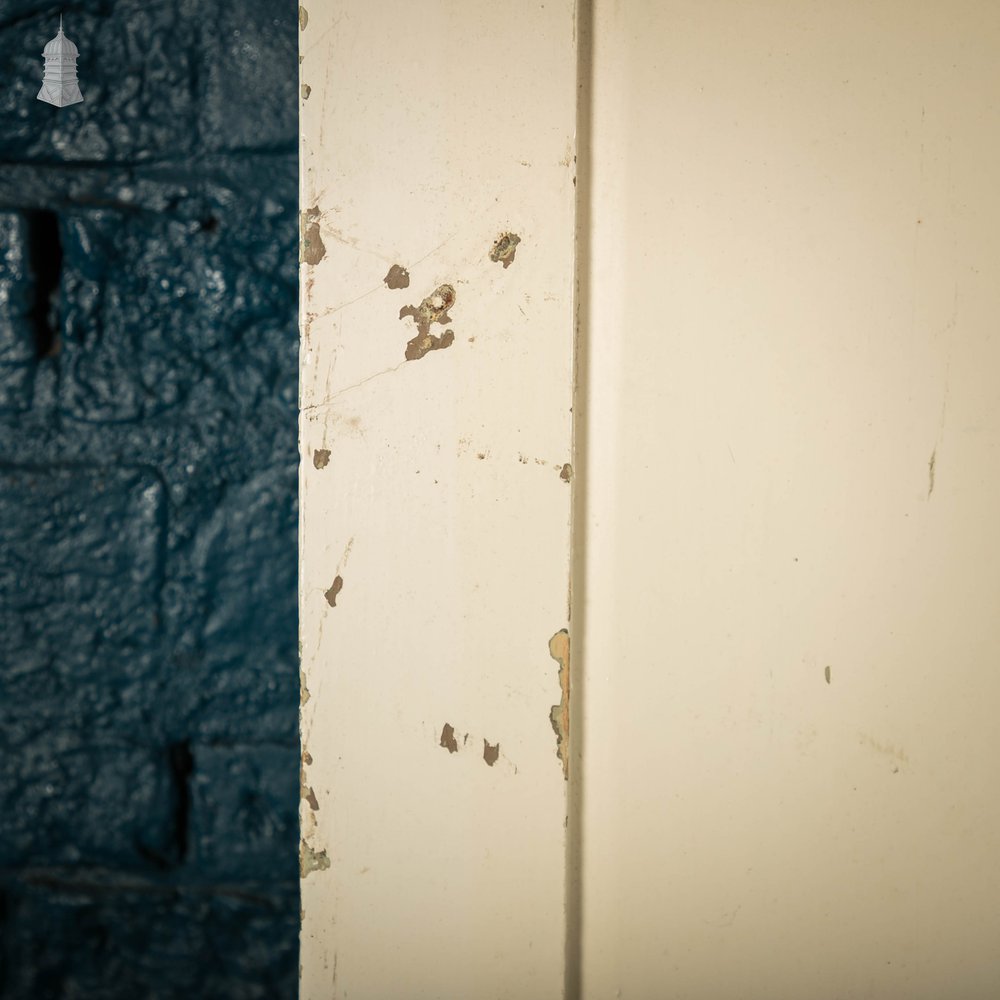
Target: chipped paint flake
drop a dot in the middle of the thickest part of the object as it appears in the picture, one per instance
(559, 715)
(335, 589)
(311, 247)
(504, 249)
(397, 277)
(303, 689)
(491, 752)
(306, 91)
(321, 458)
(303, 18)
(448, 740)
(433, 309)
(311, 860)
(566, 473)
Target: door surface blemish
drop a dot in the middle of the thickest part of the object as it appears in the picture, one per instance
(335, 588)
(398, 277)
(566, 473)
(826, 673)
(491, 752)
(448, 740)
(504, 249)
(311, 860)
(303, 18)
(559, 715)
(321, 458)
(312, 249)
(303, 690)
(930, 473)
(433, 309)
(306, 91)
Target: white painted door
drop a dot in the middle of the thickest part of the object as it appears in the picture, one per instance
(786, 557)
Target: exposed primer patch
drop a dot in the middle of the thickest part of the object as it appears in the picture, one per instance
(448, 740)
(433, 309)
(504, 249)
(305, 790)
(335, 589)
(930, 473)
(311, 860)
(491, 752)
(321, 458)
(311, 248)
(303, 18)
(397, 277)
(826, 673)
(566, 473)
(306, 91)
(559, 715)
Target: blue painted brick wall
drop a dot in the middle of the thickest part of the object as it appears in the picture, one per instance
(148, 682)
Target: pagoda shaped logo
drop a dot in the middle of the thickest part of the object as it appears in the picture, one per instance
(59, 85)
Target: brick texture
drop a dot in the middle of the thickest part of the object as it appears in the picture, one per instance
(148, 681)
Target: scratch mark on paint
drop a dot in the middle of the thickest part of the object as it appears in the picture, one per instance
(321, 458)
(504, 249)
(826, 673)
(930, 473)
(335, 588)
(311, 860)
(448, 740)
(490, 752)
(311, 249)
(559, 715)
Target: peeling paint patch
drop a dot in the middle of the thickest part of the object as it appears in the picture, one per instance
(306, 790)
(311, 860)
(335, 589)
(566, 473)
(559, 715)
(448, 740)
(303, 18)
(491, 752)
(433, 309)
(397, 277)
(306, 91)
(311, 248)
(930, 473)
(321, 458)
(504, 248)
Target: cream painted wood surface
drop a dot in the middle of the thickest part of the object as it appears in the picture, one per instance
(435, 494)
(791, 754)
(786, 549)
